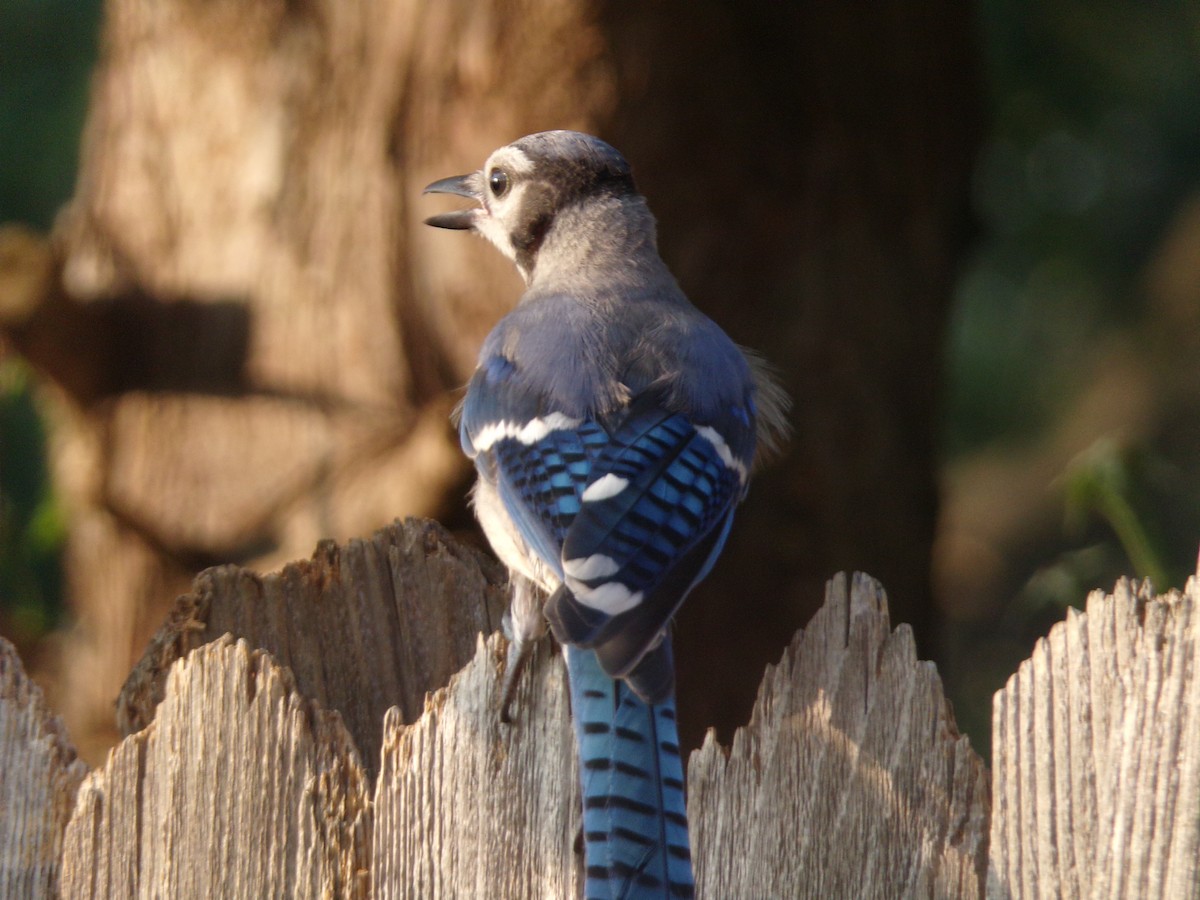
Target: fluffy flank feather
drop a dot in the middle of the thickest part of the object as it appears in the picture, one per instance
(773, 427)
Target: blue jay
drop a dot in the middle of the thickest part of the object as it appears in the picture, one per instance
(613, 427)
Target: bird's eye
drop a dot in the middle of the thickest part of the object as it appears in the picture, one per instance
(498, 182)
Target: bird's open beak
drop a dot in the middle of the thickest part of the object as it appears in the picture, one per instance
(460, 219)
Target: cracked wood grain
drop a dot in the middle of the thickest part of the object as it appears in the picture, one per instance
(851, 779)
(363, 626)
(1096, 754)
(241, 787)
(39, 775)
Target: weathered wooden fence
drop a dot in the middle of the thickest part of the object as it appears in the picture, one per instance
(294, 735)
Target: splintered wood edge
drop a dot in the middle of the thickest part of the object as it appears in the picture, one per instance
(176, 638)
(187, 624)
(848, 641)
(294, 806)
(39, 777)
(1096, 752)
(184, 628)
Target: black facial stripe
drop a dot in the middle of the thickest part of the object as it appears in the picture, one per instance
(558, 185)
(528, 239)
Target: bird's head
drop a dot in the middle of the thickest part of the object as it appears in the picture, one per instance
(524, 187)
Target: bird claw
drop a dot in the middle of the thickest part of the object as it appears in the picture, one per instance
(518, 657)
(524, 626)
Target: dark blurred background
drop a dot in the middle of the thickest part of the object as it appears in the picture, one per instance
(47, 49)
(1069, 414)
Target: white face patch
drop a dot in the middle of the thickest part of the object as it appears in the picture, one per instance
(512, 159)
(604, 488)
(589, 568)
(710, 434)
(494, 221)
(497, 219)
(528, 433)
(611, 598)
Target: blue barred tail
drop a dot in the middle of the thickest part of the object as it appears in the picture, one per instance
(634, 821)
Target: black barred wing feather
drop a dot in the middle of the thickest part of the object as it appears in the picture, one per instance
(650, 524)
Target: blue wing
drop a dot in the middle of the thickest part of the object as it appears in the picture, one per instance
(651, 523)
(630, 513)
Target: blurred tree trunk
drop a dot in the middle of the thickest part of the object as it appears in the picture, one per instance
(258, 337)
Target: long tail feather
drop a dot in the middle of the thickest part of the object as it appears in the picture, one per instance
(634, 820)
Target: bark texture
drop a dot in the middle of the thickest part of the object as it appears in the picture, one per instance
(270, 335)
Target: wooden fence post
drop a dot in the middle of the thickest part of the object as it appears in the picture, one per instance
(240, 787)
(851, 779)
(39, 775)
(1096, 754)
(244, 776)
